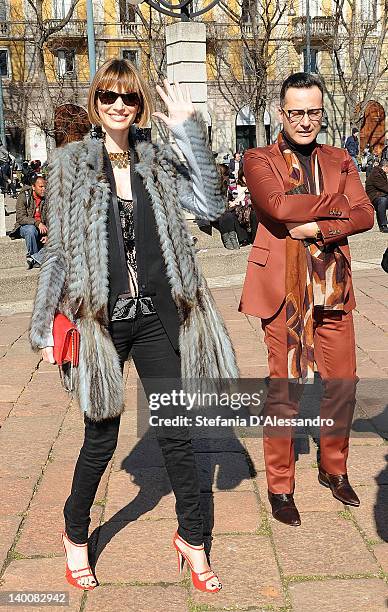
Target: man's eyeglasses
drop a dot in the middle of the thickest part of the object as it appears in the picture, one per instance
(296, 115)
(109, 97)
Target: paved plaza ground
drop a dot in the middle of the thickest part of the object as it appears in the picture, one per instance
(337, 561)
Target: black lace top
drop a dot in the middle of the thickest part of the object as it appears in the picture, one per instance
(127, 307)
(128, 227)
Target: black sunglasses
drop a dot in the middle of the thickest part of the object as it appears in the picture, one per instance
(109, 97)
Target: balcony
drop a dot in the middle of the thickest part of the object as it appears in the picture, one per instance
(74, 29)
(321, 31)
(225, 31)
(16, 30)
(125, 30)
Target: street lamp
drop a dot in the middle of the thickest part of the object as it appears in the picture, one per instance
(91, 39)
(308, 38)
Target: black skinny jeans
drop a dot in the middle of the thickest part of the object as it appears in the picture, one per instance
(154, 356)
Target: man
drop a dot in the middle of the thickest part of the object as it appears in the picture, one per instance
(376, 186)
(308, 199)
(353, 147)
(31, 220)
(234, 165)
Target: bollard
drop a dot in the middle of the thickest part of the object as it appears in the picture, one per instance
(2, 216)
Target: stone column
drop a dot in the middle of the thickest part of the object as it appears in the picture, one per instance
(186, 59)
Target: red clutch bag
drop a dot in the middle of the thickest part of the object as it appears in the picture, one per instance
(66, 341)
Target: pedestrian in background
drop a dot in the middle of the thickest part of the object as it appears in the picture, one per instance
(376, 186)
(234, 165)
(352, 146)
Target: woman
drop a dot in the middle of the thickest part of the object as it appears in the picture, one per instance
(120, 264)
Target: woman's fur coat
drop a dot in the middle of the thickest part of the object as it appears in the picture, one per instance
(74, 275)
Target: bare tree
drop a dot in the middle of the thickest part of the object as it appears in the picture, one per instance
(245, 51)
(359, 52)
(42, 31)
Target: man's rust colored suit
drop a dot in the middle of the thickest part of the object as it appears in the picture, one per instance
(341, 210)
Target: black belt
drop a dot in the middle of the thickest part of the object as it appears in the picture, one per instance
(130, 307)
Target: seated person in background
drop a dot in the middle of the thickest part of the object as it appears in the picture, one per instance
(31, 220)
(376, 187)
(243, 209)
(238, 224)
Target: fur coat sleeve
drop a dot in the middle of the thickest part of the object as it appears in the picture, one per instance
(52, 274)
(199, 185)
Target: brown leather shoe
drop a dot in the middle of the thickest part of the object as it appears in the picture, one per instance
(340, 487)
(284, 509)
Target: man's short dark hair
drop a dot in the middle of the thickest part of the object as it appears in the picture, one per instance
(355, 131)
(36, 177)
(300, 80)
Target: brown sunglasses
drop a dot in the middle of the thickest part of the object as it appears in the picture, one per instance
(109, 97)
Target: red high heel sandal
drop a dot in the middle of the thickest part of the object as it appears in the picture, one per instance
(71, 579)
(198, 582)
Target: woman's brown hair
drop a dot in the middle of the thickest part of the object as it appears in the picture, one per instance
(120, 74)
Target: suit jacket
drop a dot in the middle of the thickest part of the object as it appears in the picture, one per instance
(376, 185)
(341, 210)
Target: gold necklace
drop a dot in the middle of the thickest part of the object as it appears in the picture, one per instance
(120, 160)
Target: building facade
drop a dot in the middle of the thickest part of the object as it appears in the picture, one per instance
(233, 70)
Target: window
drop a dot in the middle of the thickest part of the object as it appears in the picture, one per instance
(127, 11)
(132, 55)
(4, 72)
(368, 10)
(249, 67)
(313, 60)
(66, 62)
(61, 8)
(245, 16)
(3, 10)
(368, 62)
(314, 5)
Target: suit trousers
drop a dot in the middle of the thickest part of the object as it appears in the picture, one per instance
(154, 356)
(335, 358)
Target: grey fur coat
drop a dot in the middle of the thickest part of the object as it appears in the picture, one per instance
(74, 275)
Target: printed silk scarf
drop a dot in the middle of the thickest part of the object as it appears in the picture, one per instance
(315, 278)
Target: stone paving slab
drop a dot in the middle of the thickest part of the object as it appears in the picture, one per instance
(344, 595)
(253, 582)
(263, 565)
(43, 575)
(138, 551)
(138, 599)
(313, 549)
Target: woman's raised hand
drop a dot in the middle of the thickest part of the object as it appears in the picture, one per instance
(178, 101)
